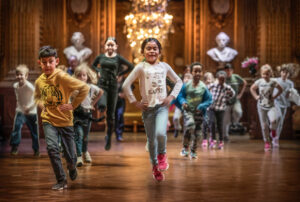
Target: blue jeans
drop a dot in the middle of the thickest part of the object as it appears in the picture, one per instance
(31, 122)
(82, 130)
(155, 122)
(119, 121)
(52, 134)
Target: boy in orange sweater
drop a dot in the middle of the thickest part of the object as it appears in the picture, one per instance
(52, 93)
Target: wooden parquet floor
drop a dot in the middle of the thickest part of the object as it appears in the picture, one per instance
(242, 171)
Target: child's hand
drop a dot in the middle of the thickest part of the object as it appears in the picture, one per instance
(185, 106)
(143, 106)
(65, 107)
(257, 97)
(167, 101)
(99, 75)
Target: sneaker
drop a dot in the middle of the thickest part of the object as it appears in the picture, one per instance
(120, 139)
(226, 139)
(87, 157)
(213, 144)
(193, 155)
(147, 147)
(162, 162)
(275, 143)
(107, 143)
(60, 186)
(273, 133)
(176, 133)
(157, 175)
(267, 146)
(79, 161)
(184, 152)
(73, 174)
(14, 150)
(204, 143)
(221, 145)
(36, 154)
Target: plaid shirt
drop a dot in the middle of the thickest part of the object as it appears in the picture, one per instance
(220, 95)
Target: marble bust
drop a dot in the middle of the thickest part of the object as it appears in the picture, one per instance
(222, 54)
(78, 49)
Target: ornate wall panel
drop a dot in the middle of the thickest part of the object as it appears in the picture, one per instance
(274, 22)
(53, 26)
(24, 32)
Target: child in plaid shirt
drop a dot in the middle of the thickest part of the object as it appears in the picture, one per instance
(221, 94)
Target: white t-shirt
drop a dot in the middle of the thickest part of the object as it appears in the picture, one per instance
(94, 91)
(152, 82)
(25, 97)
(266, 92)
(282, 100)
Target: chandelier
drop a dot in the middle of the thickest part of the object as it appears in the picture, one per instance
(148, 18)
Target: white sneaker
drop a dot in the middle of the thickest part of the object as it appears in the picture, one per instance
(147, 147)
(87, 157)
(79, 161)
(275, 143)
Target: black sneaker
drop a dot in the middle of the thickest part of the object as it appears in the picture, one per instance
(60, 185)
(176, 133)
(73, 174)
(108, 143)
(36, 154)
(14, 150)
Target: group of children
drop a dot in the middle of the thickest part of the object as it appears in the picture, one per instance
(66, 103)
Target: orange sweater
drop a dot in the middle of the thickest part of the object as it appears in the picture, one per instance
(56, 90)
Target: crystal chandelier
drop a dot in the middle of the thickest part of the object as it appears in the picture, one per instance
(148, 18)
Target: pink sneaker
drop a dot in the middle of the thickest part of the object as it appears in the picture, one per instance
(221, 145)
(204, 143)
(162, 162)
(213, 144)
(267, 146)
(157, 175)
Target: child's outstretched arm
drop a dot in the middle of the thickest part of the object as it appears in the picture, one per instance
(253, 90)
(206, 102)
(98, 96)
(280, 90)
(73, 84)
(178, 84)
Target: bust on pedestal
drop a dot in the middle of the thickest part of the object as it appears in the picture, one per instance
(222, 54)
(78, 49)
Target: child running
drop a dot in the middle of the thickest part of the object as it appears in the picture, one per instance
(268, 114)
(282, 102)
(83, 113)
(194, 98)
(208, 78)
(52, 94)
(152, 79)
(221, 94)
(25, 111)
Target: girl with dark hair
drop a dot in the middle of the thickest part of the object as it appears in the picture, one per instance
(108, 67)
(152, 80)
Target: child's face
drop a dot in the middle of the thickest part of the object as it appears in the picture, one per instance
(221, 79)
(284, 74)
(151, 52)
(229, 72)
(21, 77)
(111, 47)
(265, 74)
(209, 80)
(82, 76)
(48, 64)
(197, 72)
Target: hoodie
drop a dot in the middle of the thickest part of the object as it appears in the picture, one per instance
(55, 90)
